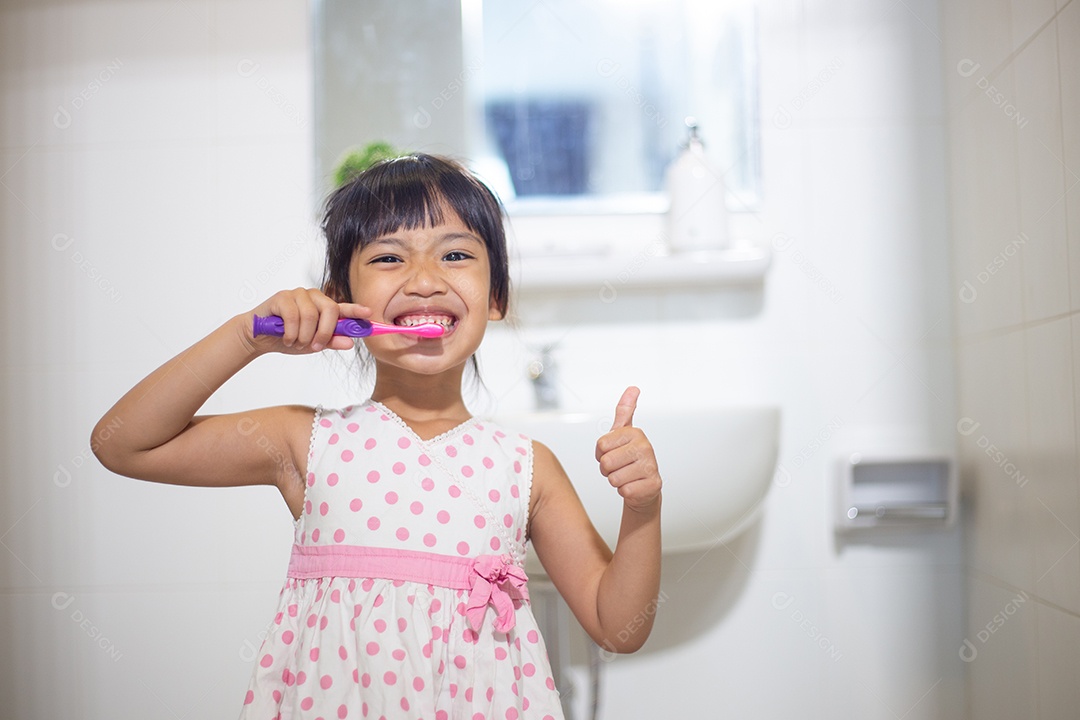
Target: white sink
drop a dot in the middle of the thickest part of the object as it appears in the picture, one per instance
(717, 466)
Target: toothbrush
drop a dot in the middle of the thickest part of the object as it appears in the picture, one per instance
(274, 325)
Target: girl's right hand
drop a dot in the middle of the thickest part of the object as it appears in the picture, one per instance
(310, 318)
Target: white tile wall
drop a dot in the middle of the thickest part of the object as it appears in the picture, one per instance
(185, 171)
(1017, 352)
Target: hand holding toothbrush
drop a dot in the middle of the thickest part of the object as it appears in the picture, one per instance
(308, 321)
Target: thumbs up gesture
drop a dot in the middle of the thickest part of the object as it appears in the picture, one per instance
(626, 457)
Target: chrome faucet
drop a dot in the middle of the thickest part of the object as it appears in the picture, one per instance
(543, 376)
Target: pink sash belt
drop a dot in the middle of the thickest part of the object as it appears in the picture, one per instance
(490, 579)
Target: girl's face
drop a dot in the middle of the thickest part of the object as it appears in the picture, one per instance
(429, 274)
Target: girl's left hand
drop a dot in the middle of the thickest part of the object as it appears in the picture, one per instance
(626, 457)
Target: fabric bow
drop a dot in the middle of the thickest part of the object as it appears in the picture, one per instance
(495, 580)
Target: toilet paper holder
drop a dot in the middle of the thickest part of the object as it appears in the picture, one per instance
(895, 491)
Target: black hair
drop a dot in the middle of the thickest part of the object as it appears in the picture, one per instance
(409, 192)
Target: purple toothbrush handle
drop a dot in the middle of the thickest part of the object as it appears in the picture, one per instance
(274, 325)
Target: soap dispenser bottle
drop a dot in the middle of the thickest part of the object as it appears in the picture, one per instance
(697, 216)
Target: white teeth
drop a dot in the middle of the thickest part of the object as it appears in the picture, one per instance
(414, 320)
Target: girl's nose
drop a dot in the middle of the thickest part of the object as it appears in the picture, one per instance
(425, 280)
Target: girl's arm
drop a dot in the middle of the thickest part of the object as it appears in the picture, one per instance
(613, 596)
(155, 435)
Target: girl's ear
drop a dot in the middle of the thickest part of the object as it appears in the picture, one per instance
(494, 313)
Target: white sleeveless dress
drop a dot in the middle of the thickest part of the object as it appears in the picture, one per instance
(406, 594)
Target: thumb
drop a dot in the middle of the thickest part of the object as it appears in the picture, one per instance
(624, 411)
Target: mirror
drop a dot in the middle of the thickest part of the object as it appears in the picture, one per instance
(563, 106)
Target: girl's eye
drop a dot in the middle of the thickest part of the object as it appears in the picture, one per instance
(385, 259)
(455, 255)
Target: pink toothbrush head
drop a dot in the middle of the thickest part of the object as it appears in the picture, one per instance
(349, 327)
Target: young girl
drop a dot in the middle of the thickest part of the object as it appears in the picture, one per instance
(406, 594)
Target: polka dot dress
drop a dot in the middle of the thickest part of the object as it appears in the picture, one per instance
(406, 595)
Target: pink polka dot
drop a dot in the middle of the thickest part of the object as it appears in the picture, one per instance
(508, 520)
(467, 439)
(494, 495)
(550, 686)
(324, 508)
(391, 498)
(402, 623)
(404, 704)
(373, 523)
(424, 460)
(339, 535)
(342, 712)
(488, 463)
(500, 654)
(479, 521)
(315, 535)
(357, 503)
(428, 484)
(249, 698)
(517, 467)
(306, 703)
(532, 636)
(310, 479)
(287, 637)
(463, 548)
(403, 442)
(323, 622)
(325, 682)
(466, 471)
(429, 540)
(343, 653)
(325, 422)
(418, 684)
(335, 596)
(455, 491)
(372, 649)
(389, 677)
(529, 669)
(398, 654)
(451, 451)
(365, 680)
(417, 507)
(347, 455)
(402, 534)
(333, 439)
(399, 468)
(332, 479)
(369, 443)
(511, 714)
(514, 491)
(441, 715)
(293, 610)
(307, 506)
(267, 660)
(443, 517)
(380, 625)
(477, 716)
(352, 427)
(367, 584)
(373, 476)
(495, 543)
(459, 662)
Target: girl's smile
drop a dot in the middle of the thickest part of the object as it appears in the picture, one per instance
(437, 274)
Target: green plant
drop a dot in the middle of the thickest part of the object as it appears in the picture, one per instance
(358, 160)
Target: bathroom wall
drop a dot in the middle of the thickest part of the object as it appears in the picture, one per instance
(1013, 109)
(155, 162)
